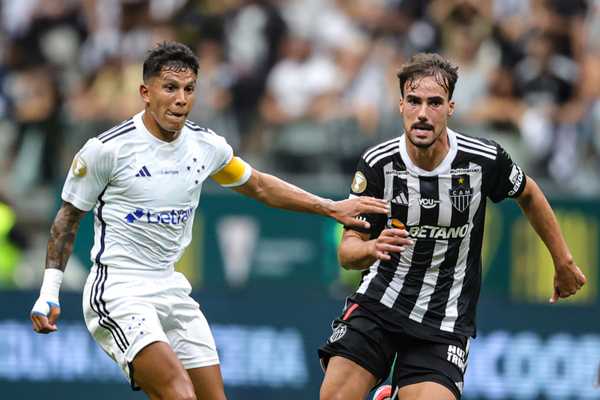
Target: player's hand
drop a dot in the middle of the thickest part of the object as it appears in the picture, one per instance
(568, 279)
(347, 211)
(390, 240)
(44, 315)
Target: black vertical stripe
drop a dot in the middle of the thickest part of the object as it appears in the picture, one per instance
(105, 312)
(469, 296)
(423, 250)
(102, 225)
(400, 211)
(95, 308)
(105, 321)
(387, 270)
(437, 305)
(98, 286)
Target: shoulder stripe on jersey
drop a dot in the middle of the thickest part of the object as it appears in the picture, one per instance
(195, 127)
(475, 147)
(118, 133)
(390, 147)
(379, 147)
(467, 150)
(475, 141)
(379, 157)
(123, 124)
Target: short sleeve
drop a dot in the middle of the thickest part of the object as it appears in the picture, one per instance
(368, 181)
(222, 156)
(508, 179)
(89, 175)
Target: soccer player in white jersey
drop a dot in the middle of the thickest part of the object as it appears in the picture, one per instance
(415, 307)
(143, 179)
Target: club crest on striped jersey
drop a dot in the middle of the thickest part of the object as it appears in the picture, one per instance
(359, 183)
(79, 167)
(460, 196)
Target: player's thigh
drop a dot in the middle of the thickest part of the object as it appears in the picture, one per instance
(426, 367)
(361, 346)
(121, 323)
(189, 333)
(160, 374)
(208, 382)
(425, 391)
(346, 380)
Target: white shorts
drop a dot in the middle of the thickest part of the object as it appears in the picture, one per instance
(127, 310)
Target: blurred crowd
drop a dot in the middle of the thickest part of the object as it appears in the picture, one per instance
(300, 87)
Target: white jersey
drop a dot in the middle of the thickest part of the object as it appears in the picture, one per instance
(145, 191)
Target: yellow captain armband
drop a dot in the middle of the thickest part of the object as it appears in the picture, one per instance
(235, 173)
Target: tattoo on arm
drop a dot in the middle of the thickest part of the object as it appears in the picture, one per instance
(62, 236)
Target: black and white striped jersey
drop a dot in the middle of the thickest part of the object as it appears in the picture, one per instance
(436, 281)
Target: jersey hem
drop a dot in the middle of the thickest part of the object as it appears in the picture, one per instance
(78, 202)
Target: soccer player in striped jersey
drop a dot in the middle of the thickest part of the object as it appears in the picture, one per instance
(143, 179)
(422, 262)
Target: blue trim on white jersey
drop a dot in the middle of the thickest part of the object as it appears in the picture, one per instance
(96, 300)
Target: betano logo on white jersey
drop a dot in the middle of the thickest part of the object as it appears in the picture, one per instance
(145, 191)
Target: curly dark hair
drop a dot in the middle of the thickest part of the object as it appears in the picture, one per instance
(171, 55)
(429, 64)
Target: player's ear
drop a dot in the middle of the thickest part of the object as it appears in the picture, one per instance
(145, 93)
(401, 104)
(450, 107)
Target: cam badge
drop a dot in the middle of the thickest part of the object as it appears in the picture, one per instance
(359, 183)
(461, 195)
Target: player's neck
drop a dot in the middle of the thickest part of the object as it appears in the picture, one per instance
(156, 130)
(429, 158)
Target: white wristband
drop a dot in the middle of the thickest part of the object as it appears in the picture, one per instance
(51, 285)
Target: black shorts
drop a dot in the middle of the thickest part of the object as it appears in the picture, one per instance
(360, 337)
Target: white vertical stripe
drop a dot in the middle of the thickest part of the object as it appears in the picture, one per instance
(451, 313)
(429, 281)
(388, 189)
(444, 186)
(414, 215)
(414, 208)
(367, 280)
(388, 193)
(439, 251)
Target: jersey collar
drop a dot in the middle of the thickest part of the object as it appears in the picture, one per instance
(139, 123)
(444, 165)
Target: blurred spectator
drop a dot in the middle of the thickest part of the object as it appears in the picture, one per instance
(467, 42)
(307, 101)
(254, 32)
(213, 106)
(36, 111)
(300, 93)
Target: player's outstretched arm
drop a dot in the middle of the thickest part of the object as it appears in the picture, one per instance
(568, 278)
(278, 193)
(356, 251)
(46, 309)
